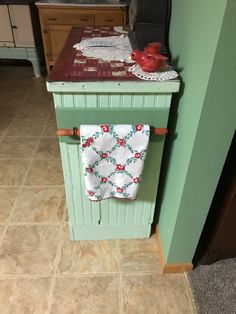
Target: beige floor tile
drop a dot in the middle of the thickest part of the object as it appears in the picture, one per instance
(2, 229)
(8, 112)
(48, 148)
(50, 129)
(24, 295)
(39, 205)
(29, 249)
(87, 256)
(13, 97)
(40, 98)
(25, 127)
(45, 172)
(52, 114)
(4, 124)
(13, 147)
(33, 112)
(151, 293)
(12, 172)
(86, 295)
(139, 255)
(7, 199)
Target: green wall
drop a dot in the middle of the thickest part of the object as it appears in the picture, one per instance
(202, 39)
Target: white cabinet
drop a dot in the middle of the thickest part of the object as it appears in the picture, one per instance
(15, 26)
(6, 36)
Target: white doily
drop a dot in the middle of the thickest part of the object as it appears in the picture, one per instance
(119, 29)
(152, 76)
(106, 48)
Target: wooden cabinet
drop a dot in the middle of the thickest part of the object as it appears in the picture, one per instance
(56, 23)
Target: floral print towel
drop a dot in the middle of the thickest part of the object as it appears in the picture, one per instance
(113, 159)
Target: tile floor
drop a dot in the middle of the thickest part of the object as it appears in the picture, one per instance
(41, 270)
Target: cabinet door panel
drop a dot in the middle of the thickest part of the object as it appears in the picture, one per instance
(58, 35)
(5, 27)
(22, 26)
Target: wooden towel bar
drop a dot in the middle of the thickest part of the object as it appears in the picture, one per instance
(76, 131)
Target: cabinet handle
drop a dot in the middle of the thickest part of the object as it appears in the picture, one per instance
(109, 20)
(14, 26)
(84, 20)
(52, 18)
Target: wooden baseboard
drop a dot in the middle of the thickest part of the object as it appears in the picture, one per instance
(170, 268)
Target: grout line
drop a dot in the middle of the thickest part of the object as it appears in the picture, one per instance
(25, 276)
(56, 265)
(58, 253)
(121, 297)
(120, 278)
(31, 186)
(77, 275)
(28, 223)
(190, 293)
(50, 297)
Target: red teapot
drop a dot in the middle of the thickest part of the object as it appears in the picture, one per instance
(150, 60)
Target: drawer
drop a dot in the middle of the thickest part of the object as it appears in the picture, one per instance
(69, 19)
(109, 19)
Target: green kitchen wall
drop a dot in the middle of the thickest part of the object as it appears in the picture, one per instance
(203, 43)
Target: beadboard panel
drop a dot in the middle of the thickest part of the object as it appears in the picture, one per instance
(111, 212)
(112, 100)
(111, 218)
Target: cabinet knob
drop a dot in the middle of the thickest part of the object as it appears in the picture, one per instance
(45, 31)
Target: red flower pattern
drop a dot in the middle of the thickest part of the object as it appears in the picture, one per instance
(120, 167)
(136, 180)
(104, 155)
(105, 127)
(121, 141)
(89, 170)
(90, 140)
(91, 193)
(139, 127)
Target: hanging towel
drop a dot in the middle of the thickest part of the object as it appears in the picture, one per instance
(113, 159)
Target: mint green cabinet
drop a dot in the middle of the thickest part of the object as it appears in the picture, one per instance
(111, 102)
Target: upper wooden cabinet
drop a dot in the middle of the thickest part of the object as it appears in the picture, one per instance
(56, 23)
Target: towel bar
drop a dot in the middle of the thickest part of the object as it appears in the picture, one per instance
(76, 131)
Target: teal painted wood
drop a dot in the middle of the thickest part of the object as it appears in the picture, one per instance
(115, 87)
(109, 232)
(27, 53)
(112, 218)
(111, 100)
